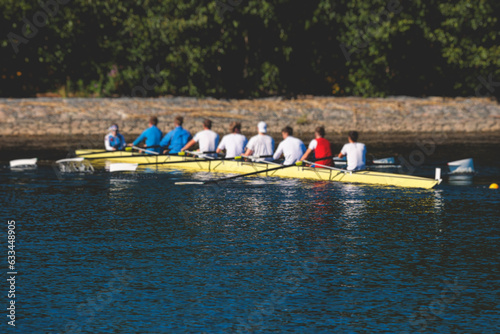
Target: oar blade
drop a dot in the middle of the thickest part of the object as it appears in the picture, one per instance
(23, 162)
(122, 167)
(69, 160)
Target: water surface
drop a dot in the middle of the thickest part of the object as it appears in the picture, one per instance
(134, 253)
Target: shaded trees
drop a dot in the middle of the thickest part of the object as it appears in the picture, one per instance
(250, 48)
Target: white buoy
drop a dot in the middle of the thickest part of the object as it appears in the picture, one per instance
(23, 162)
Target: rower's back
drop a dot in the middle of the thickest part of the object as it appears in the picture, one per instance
(261, 145)
(356, 155)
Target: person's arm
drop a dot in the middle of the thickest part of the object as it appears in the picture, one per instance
(249, 148)
(139, 139)
(247, 153)
(308, 151)
(107, 145)
(188, 145)
(123, 143)
(279, 152)
(343, 152)
(222, 146)
(165, 142)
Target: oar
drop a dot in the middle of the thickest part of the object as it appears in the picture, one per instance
(329, 167)
(145, 150)
(127, 167)
(204, 154)
(238, 176)
(127, 149)
(256, 157)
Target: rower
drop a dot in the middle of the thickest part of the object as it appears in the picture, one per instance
(291, 148)
(234, 143)
(152, 135)
(356, 152)
(175, 140)
(206, 139)
(261, 144)
(114, 141)
(321, 148)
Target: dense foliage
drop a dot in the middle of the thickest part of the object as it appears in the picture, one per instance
(250, 48)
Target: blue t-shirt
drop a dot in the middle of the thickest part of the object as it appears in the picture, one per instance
(176, 139)
(153, 137)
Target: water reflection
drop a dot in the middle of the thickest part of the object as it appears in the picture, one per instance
(461, 180)
(438, 200)
(353, 201)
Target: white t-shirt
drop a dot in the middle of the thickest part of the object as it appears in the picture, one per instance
(261, 145)
(356, 155)
(292, 148)
(313, 144)
(234, 144)
(207, 140)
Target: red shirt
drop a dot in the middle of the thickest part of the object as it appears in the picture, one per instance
(323, 150)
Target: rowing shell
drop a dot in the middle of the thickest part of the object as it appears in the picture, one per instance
(241, 167)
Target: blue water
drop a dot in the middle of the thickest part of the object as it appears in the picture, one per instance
(134, 253)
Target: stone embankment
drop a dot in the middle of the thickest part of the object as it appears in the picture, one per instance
(53, 118)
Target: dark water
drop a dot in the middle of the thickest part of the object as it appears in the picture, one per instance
(134, 253)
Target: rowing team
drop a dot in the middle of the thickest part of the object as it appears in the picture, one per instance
(235, 144)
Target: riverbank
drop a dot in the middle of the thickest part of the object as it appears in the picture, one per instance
(70, 123)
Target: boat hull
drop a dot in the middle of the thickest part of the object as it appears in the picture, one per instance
(241, 167)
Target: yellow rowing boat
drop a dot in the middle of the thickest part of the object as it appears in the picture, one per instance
(243, 167)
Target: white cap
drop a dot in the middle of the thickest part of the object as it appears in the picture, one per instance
(262, 126)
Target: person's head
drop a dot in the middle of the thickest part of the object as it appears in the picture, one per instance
(353, 136)
(286, 131)
(207, 124)
(178, 120)
(235, 127)
(153, 120)
(262, 127)
(113, 129)
(319, 132)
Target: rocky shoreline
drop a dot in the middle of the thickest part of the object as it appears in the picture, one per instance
(82, 122)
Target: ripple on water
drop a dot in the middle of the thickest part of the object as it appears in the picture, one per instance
(257, 254)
